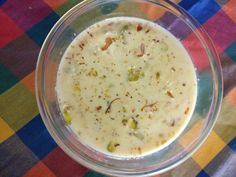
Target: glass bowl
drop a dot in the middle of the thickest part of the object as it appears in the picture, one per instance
(182, 26)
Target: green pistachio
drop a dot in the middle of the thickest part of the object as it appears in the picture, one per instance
(134, 74)
(124, 29)
(132, 123)
(124, 122)
(76, 87)
(158, 75)
(93, 72)
(111, 147)
(67, 117)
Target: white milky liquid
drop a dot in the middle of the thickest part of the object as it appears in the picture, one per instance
(126, 87)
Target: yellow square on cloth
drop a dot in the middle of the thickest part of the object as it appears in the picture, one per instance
(210, 148)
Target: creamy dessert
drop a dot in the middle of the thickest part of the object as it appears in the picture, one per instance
(126, 87)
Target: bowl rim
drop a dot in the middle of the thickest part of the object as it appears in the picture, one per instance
(40, 101)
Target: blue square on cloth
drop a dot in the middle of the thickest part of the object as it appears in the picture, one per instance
(202, 10)
(202, 174)
(223, 164)
(36, 137)
(2, 2)
(175, 25)
(186, 4)
(232, 144)
(39, 31)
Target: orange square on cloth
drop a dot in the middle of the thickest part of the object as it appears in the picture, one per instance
(29, 82)
(232, 96)
(154, 12)
(230, 9)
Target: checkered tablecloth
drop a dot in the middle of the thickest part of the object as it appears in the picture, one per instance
(27, 149)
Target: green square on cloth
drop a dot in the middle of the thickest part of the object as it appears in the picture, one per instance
(7, 79)
(18, 106)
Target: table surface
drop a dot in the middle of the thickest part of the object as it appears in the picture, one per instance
(27, 149)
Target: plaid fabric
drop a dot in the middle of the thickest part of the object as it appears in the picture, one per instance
(27, 149)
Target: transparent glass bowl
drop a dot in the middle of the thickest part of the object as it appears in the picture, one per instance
(183, 27)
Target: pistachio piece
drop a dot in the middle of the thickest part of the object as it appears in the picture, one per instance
(76, 87)
(67, 117)
(111, 147)
(132, 123)
(93, 72)
(124, 29)
(134, 74)
(106, 93)
(158, 75)
(163, 141)
(124, 122)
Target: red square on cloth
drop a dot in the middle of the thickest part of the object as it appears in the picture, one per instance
(221, 29)
(196, 51)
(20, 56)
(8, 30)
(26, 13)
(62, 165)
